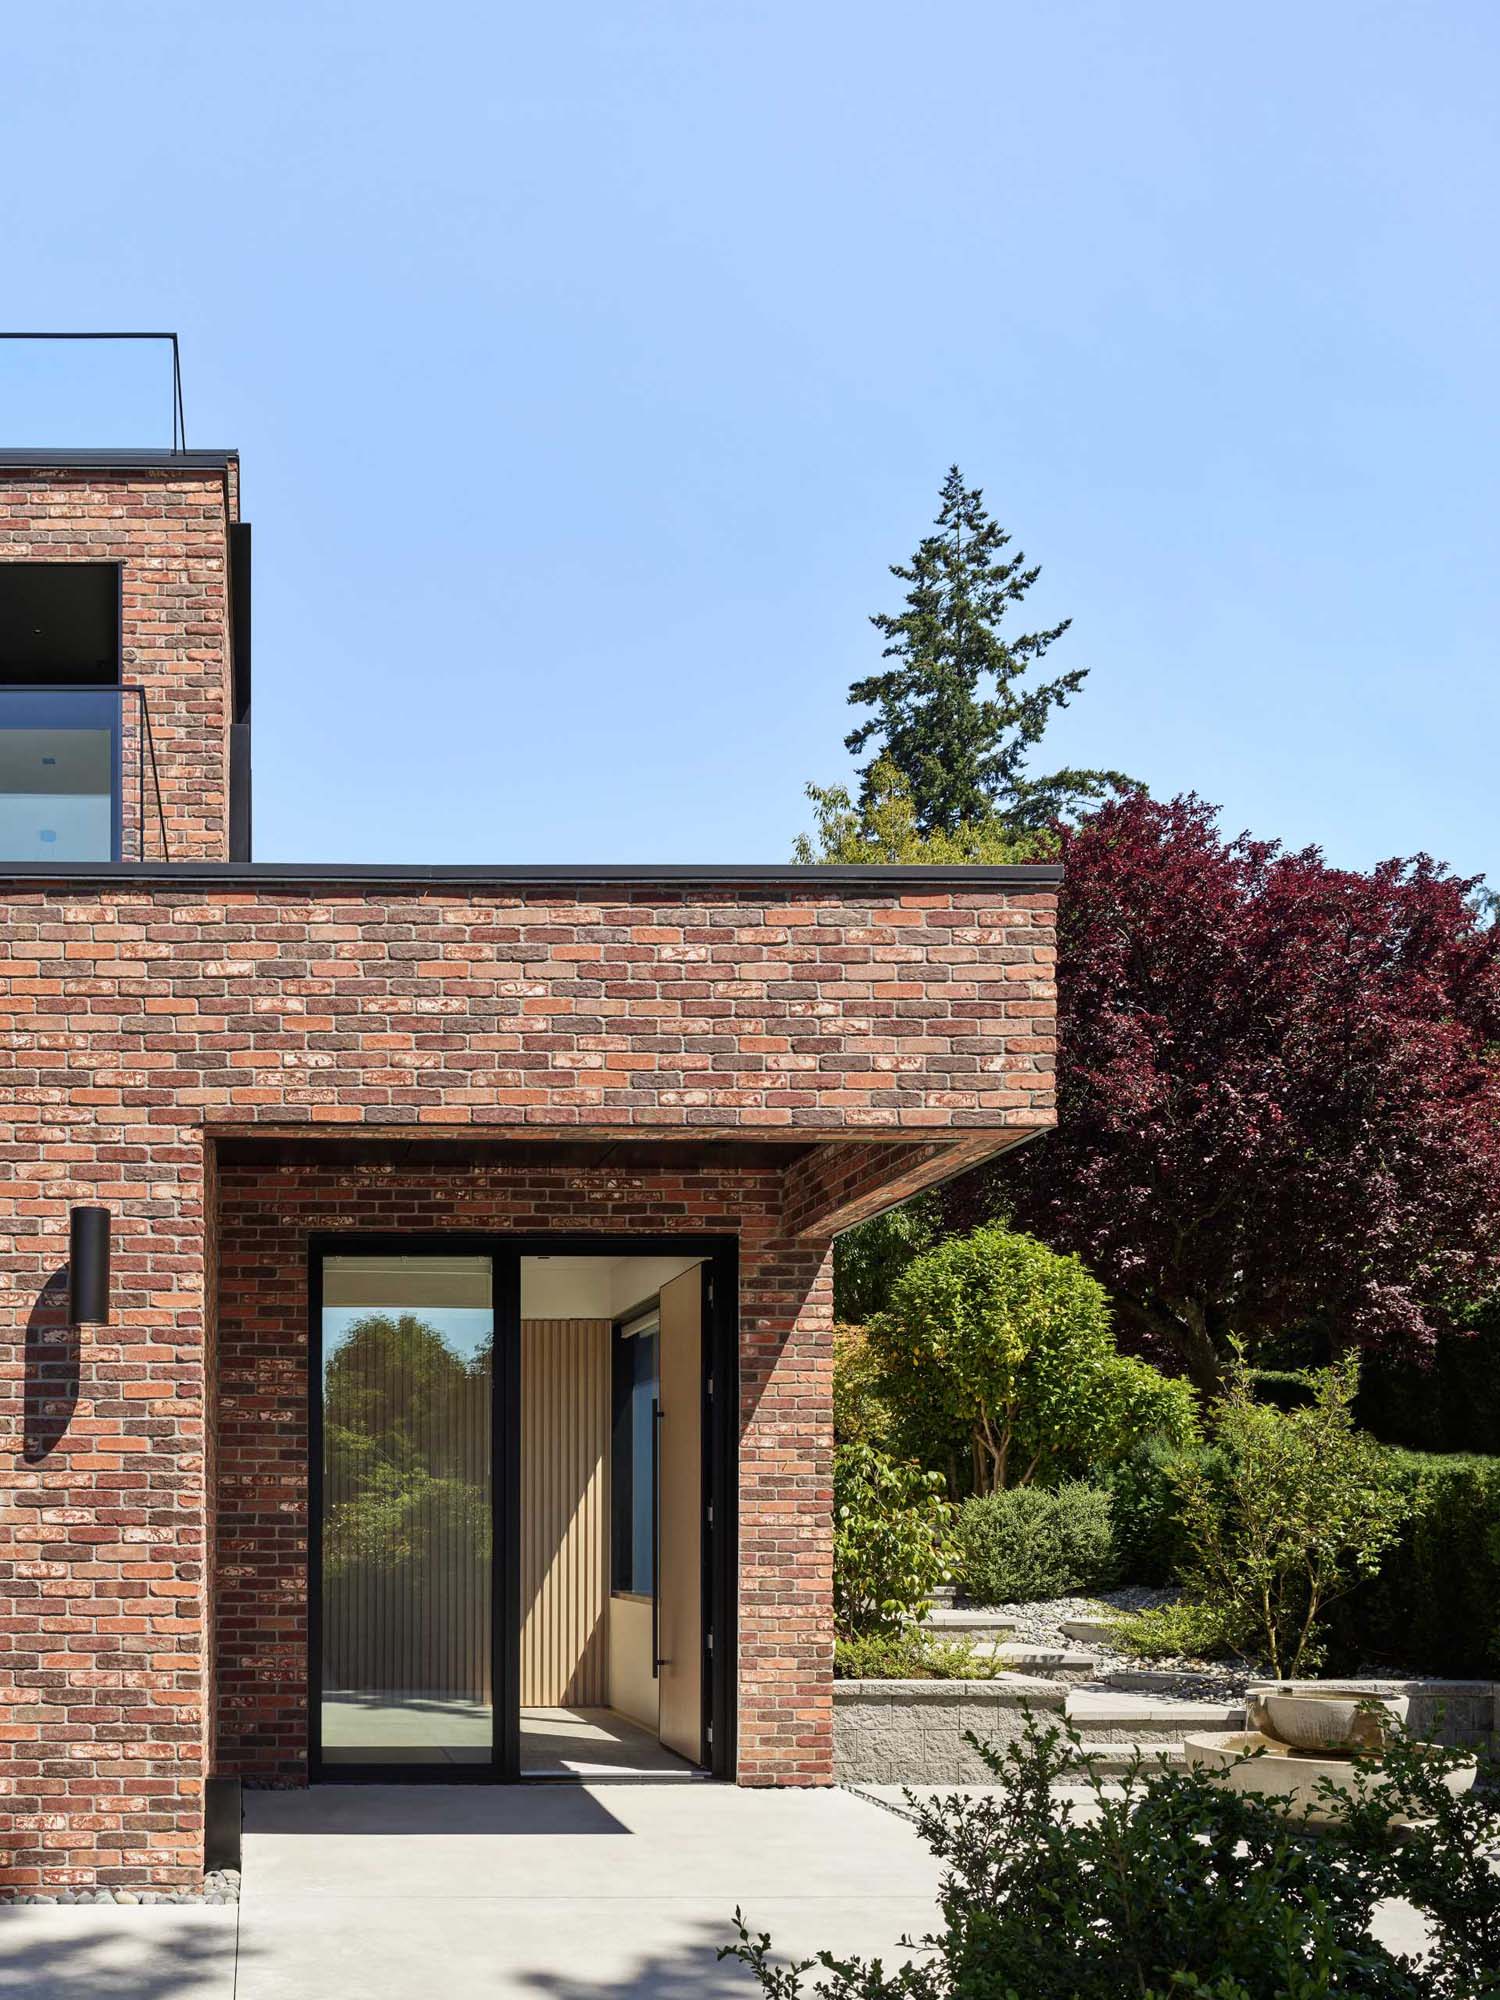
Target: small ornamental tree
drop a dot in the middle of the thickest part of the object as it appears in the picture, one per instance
(996, 1345)
(1278, 1090)
(1301, 1508)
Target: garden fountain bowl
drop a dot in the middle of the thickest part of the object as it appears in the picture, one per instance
(1284, 1773)
(1339, 1719)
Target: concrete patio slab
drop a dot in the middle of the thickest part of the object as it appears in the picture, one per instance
(615, 1890)
(99, 1951)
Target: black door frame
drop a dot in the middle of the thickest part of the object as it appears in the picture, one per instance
(720, 1480)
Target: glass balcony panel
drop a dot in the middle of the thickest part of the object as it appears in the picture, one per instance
(59, 774)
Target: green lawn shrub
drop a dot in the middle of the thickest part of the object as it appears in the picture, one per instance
(1034, 1542)
(1152, 1541)
(911, 1655)
(1305, 1509)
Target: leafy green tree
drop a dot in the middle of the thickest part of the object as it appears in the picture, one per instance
(881, 826)
(953, 720)
(999, 1349)
(868, 1258)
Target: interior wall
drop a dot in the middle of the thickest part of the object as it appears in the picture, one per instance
(565, 1430)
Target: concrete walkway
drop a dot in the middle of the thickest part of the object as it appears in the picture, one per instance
(614, 1891)
(611, 1891)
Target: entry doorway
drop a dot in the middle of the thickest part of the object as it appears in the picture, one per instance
(521, 1559)
(613, 1388)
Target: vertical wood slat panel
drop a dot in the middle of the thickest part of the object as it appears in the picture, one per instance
(565, 1426)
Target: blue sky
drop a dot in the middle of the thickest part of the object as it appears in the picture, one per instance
(589, 365)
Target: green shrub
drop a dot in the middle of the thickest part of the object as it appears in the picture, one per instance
(1179, 1632)
(1032, 1542)
(1140, 1405)
(1305, 1506)
(869, 1257)
(1171, 1884)
(1152, 1540)
(1435, 1601)
(911, 1655)
(1283, 1388)
(890, 1527)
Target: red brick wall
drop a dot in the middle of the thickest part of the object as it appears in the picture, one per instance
(908, 1032)
(785, 1430)
(168, 530)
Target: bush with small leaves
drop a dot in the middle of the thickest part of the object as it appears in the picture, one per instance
(1171, 1884)
(890, 1531)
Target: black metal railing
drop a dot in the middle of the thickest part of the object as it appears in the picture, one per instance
(78, 775)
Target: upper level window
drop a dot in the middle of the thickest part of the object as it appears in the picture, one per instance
(60, 712)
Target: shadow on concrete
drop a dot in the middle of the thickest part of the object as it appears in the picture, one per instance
(50, 1392)
(104, 1952)
(530, 1811)
(689, 1969)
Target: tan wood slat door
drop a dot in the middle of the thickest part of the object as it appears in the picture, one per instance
(679, 1581)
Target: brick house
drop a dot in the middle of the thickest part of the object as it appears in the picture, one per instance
(438, 1384)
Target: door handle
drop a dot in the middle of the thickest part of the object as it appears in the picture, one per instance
(657, 1662)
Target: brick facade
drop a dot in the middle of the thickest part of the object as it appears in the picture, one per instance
(161, 1485)
(168, 531)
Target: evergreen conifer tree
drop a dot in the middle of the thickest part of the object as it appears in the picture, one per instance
(952, 720)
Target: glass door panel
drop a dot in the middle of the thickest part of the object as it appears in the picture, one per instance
(406, 1517)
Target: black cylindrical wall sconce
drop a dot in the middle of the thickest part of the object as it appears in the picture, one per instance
(88, 1266)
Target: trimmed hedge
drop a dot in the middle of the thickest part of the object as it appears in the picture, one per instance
(1034, 1542)
(1450, 1405)
(1436, 1603)
(1151, 1544)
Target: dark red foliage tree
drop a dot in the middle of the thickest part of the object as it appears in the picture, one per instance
(1279, 1089)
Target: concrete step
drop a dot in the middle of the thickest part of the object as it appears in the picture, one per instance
(1062, 1663)
(1133, 1718)
(1111, 1759)
(951, 1624)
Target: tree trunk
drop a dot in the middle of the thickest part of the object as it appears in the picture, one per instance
(1186, 1333)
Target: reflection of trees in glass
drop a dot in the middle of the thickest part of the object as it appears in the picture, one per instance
(407, 1507)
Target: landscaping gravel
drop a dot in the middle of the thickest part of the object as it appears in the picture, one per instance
(1040, 1624)
(220, 1885)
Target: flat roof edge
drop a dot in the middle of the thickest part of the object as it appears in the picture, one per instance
(312, 874)
(45, 458)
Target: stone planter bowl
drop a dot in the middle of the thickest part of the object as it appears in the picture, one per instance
(1281, 1772)
(1333, 1721)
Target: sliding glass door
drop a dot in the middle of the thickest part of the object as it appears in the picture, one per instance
(407, 1514)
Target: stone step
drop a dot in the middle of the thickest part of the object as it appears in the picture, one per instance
(1151, 1680)
(1132, 1718)
(1089, 1631)
(1063, 1662)
(950, 1624)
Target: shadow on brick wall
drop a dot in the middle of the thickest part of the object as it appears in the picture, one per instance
(51, 1389)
